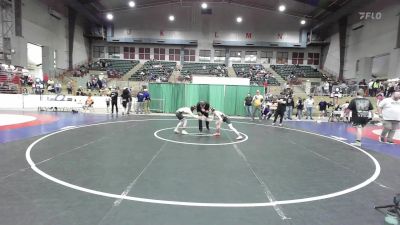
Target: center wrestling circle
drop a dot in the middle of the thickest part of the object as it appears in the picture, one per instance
(210, 135)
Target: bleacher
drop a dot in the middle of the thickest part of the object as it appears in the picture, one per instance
(214, 69)
(256, 73)
(152, 70)
(114, 67)
(297, 71)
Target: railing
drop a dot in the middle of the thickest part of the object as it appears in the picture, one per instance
(336, 90)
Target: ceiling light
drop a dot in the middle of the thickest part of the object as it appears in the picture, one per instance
(303, 21)
(110, 16)
(131, 4)
(239, 19)
(282, 8)
(171, 18)
(204, 5)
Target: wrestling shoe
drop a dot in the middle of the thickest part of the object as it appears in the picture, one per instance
(280, 124)
(381, 139)
(184, 132)
(176, 131)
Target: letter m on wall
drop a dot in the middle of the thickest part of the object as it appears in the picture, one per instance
(249, 35)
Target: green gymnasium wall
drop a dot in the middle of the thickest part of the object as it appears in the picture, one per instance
(226, 98)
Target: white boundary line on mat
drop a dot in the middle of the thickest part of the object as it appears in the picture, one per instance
(202, 204)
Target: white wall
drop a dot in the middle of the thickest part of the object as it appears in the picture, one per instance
(190, 24)
(313, 49)
(39, 27)
(377, 37)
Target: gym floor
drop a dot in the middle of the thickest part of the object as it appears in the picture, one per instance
(64, 169)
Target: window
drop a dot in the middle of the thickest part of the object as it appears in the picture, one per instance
(113, 52)
(189, 55)
(174, 55)
(313, 59)
(219, 56)
(250, 57)
(205, 55)
(159, 54)
(144, 53)
(235, 56)
(282, 58)
(266, 57)
(298, 58)
(98, 51)
(129, 52)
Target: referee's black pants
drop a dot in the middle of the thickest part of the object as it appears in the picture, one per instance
(113, 103)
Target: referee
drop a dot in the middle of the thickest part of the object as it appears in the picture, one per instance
(203, 109)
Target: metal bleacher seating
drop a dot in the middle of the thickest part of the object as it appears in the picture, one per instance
(296, 70)
(152, 70)
(255, 72)
(120, 66)
(214, 69)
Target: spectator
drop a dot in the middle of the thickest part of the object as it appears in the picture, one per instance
(69, 88)
(88, 85)
(147, 101)
(300, 108)
(140, 102)
(89, 101)
(114, 101)
(322, 108)
(248, 105)
(257, 103)
(273, 106)
(289, 107)
(375, 87)
(360, 108)
(79, 92)
(326, 88)
(126, 100)
(389, 110)
(108, 100)
(309, 104)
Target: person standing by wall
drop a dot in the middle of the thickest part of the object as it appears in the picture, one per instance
(289, 107)
(140, 102)
(147, 101)
(389, 110)
(360, 108)
(309, 104)
(248, 105)
(69, 88)
(126, 100)
(114, 101)
(300, 108)
(257, 103)
(108, 101)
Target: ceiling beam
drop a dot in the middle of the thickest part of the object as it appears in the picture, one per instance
(349, 8)
(79, 7)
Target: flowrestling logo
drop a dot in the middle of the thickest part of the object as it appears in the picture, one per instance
(370, 15)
